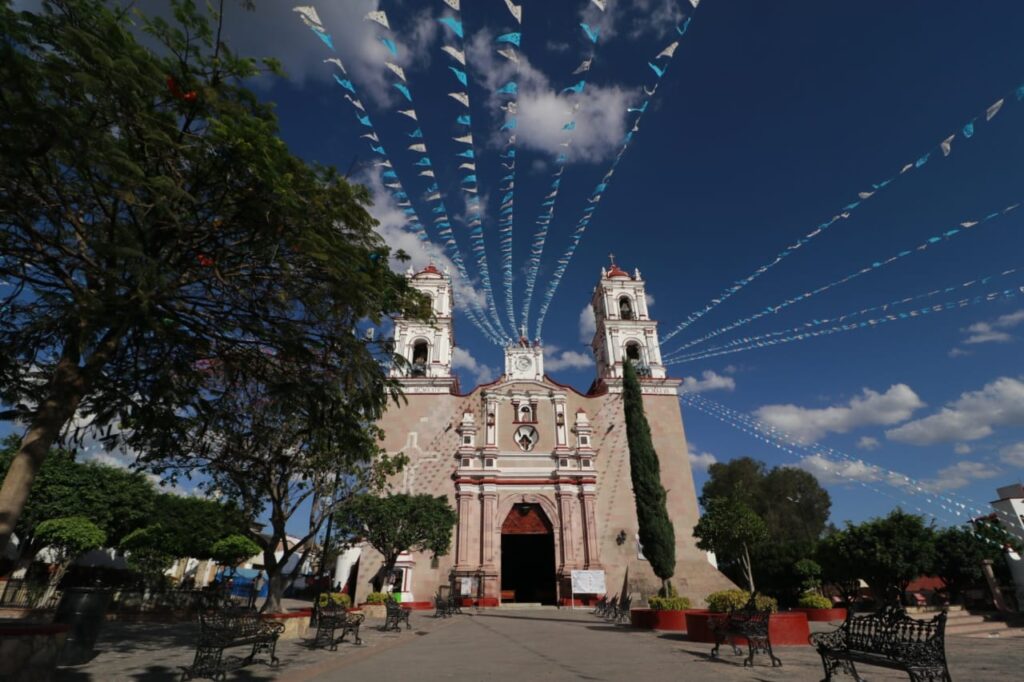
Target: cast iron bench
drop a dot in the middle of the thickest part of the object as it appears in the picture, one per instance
(395, 615)
(887, 639)
(332, 618)
(442, 607)
(619, 611)
(749, 623)
(600, 606)
(608, 607)
(220, 630)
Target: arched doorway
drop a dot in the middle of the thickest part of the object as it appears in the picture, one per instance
(528, 555)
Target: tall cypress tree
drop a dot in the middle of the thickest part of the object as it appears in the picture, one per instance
(656, 532)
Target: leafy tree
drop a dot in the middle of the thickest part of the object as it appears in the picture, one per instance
(732, 528)
(233, 550)
(68, 538)
(809, 572)
(152, 224)
(116, 500)
(191, 525)
(148, 551)
(399, 523)
(841, 559)
(959, 555)
(795, 509)
(656, 532)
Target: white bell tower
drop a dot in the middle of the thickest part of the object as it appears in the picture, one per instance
(427, 346)
(523, 360)
(625, 332)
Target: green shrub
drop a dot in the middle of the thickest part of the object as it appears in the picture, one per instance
(813, 600)
(729, 600)
(378, 597)
(336, 599)
(674, 603)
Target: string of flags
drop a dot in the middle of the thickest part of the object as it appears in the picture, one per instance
(953, 509)
(432, 194)
(388, 175)
(547, 213)
(508, 45)
(943, 148)
(960, 228)
(659, 65)
(467, 159)
(765, 340)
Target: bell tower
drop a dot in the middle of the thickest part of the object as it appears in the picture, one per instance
(427, 346)
(625, 332)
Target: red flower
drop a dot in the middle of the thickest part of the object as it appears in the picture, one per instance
(204, 260)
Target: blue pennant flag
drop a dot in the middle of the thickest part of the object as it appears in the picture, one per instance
(365, 120)
(468, 154)
(508, 178)
(922, 161)
(642, 108)
(425, 161)
(401, 196)
(390, 44)
(438, 209)
(469, 179)
(506, 197)
(404, 90)
(592, 33)
(509, 38)
(463, 120)
(628, 137)
(969, 129)
(416, 133)
(681, 30)
(571, 125)
(378, 150)
(433, 188)
(461, 75)
(601, 187)
(453, 24)
(409, 211)
(389, 174)
(509, 88)
(347, 84)
(509, 125)
(510, 155)
(505, 210)
(1019, 93)
(658, 72)
(576, 89)
(324, 37)
(562, 158)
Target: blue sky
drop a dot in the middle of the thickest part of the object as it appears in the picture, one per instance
(771, 117)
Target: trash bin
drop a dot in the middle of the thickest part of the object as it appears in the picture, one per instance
(83, 609)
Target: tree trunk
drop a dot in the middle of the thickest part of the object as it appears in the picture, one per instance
(275, 580)
(66, 389)
(746, 566)
(51, 587)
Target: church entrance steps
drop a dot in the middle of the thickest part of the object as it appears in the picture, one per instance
(527, 606)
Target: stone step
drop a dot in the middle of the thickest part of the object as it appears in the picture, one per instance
(978, 627)
(520, 606)
(1009, 633)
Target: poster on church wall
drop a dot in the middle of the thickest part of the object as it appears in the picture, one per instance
(466, 586)
(588, 582)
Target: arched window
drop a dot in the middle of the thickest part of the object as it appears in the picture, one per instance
(525, 413)
(420, 357)
(625, 308)
(633, 352)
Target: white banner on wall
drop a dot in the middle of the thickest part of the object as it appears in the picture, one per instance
(588, 582)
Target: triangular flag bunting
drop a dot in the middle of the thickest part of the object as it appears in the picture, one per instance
(379, 17)
(457, 55)
(396, 69)
(516, 10)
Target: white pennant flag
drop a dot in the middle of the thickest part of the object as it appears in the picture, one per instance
(379, 17)
(509, 54)
(969, 223)
(512, 139)
(636, 126)
(468, 166)
(510, 107)
(585, 66)
(601, 4)
(695, 3)
(427, 173)
(947, 145)
(864, 195)
(385, 164)
(906, 168)
(516, 10)
(396, 69)
(457, 55)
(993, 110)
(393, 185)
(454, 4)
(552, 195)
(651, 92)
(471, 190)
(337, 62)
(411, 113)
(371, 136)
(669, 51)
(308, 14)
(465, 139)
(356, 103)
(421, 148)
(434, 197)
(460, 97)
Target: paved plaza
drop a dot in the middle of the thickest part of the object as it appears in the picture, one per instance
(497, 645)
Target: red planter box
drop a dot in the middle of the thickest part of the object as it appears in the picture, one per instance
(651, 619)
(784, 629)
(824, 615)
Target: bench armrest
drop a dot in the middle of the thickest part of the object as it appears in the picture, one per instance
(829, 640)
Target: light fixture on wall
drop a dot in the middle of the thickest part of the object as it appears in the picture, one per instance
(524, 507)
(490, 419)
(560, 419)
(620, 539)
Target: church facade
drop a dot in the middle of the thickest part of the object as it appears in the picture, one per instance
(537, 471)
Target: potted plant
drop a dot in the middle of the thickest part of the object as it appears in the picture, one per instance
(374, 607)
(819, 608)
(783, 628)
(663, 613)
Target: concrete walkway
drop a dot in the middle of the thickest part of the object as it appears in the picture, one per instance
(498, 645)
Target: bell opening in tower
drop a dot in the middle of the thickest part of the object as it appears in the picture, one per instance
(527, 556)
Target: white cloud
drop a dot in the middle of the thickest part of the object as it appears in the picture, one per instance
(568, 359)
(635, 19)
(808, 424)
(709, 381)
(959, 352)
(829, 471)
(650, 299)
(701, 460)
(868, 443)
(463, 359)
(588, 324)
(1013, 454)
(971, 417)
(959, 475)
(993, 331)
(544, 110)
(962, 449)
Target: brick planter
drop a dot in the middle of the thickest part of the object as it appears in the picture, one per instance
(652, 619)
(784, 629)
(824, 615)
(296, 623)
(29, 651)
(374, 610)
